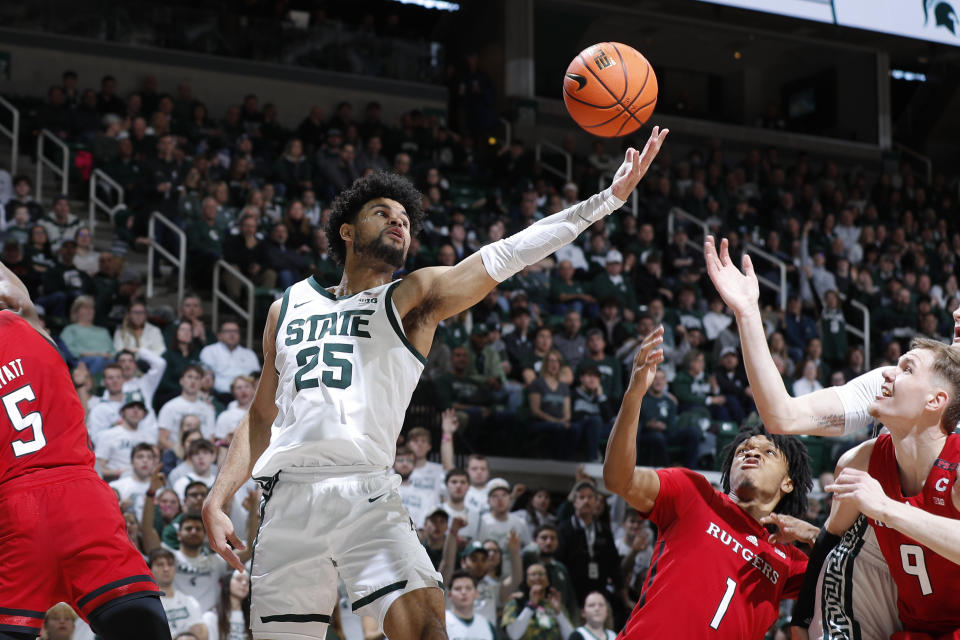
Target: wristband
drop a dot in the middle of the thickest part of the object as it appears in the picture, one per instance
(151, 493)
(446, 438)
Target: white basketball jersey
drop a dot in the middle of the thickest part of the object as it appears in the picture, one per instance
(347, 372)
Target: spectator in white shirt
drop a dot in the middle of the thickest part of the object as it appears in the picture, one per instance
(456, 484)
(115, 445)
(807, 382)
(135, 333)
(228, 358)
(183, 611)
(106, 413)
(242, 389)
(478, 472)
(198, 467)
(188, 402)
(418, 502)
(426, 474)
(232, 611)
(462, 622)
(145, 383)
(499, 523)
(133, 487)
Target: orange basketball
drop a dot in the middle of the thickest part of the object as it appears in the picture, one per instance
(610, 89)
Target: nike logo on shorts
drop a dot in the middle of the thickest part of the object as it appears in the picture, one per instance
(377, 498)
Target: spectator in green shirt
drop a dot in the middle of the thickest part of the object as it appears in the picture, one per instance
(204, 244)
(567, 294)
(90, 344)
(659, 430)
(611, 374)
(611, 283)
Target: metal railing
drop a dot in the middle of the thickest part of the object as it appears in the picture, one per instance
(781, 287)
(565, 173)
(218, 296)
(863, 334)
(916, 155)
(676, 213)
(13, 132)
(96, 178)
(634, 201)
(507, 133)
(179, 261)
(63, 170)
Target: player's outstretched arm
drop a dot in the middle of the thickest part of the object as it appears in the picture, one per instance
(440, 292)
(15, 297)
(857, 489)
(820, 413)
(639, 486)
(249, 442)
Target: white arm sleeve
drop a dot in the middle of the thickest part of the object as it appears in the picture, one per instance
(506, 257)
(856, 396)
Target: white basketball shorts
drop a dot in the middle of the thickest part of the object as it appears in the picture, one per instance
(856, 595)
(315, 526)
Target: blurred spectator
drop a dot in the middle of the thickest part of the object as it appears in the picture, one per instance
(60, 623)
(417, 501)
(198, 467)
(89, 343)
(538, 612)
(462, 620)
(228, 358)
(60, 223)
(568, 341)
(114, 447)
(136, 333)
(132, 488)
(611, 374)
(587, 548)
(242, 388)
(592, 413)
(659, 429)
(457, 482)
(807, 382)
(597, 619)
(284, 262)
(22, 188)
(188, 402)
(550, 408)
(183, 611)
(230, 617)
(695, 389)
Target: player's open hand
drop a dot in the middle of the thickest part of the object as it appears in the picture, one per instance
(223, 539)
(741, 291)
(860, 489)
(636, 163)
(646, 361)
(790, 529)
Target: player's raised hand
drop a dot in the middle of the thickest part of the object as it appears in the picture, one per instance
(223, 539)
(790, 529)
(636, 163)
(646, 361)
(860, 489)
(741, 291)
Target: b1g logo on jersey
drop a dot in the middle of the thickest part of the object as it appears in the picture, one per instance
(602, 60)
(371, 300)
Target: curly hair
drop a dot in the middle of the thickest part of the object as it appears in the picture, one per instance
(377, 185)
(798, 468)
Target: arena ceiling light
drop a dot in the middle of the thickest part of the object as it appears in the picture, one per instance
(439, 5)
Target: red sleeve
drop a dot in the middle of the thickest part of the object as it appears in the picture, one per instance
(679, 488)
(798, 567)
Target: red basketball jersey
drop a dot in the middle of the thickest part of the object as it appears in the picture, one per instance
(713, 574)
(41, 418)
(927, 583)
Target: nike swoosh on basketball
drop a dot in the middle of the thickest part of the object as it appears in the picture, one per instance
(377, 498)
(580, 80)
(300, 304)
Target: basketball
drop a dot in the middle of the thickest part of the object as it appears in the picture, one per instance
(610, 89)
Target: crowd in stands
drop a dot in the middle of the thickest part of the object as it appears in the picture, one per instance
(535, 369)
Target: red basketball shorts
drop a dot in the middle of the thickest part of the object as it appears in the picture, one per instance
(63, 539)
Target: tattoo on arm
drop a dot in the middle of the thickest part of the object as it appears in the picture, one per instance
(832, 423)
